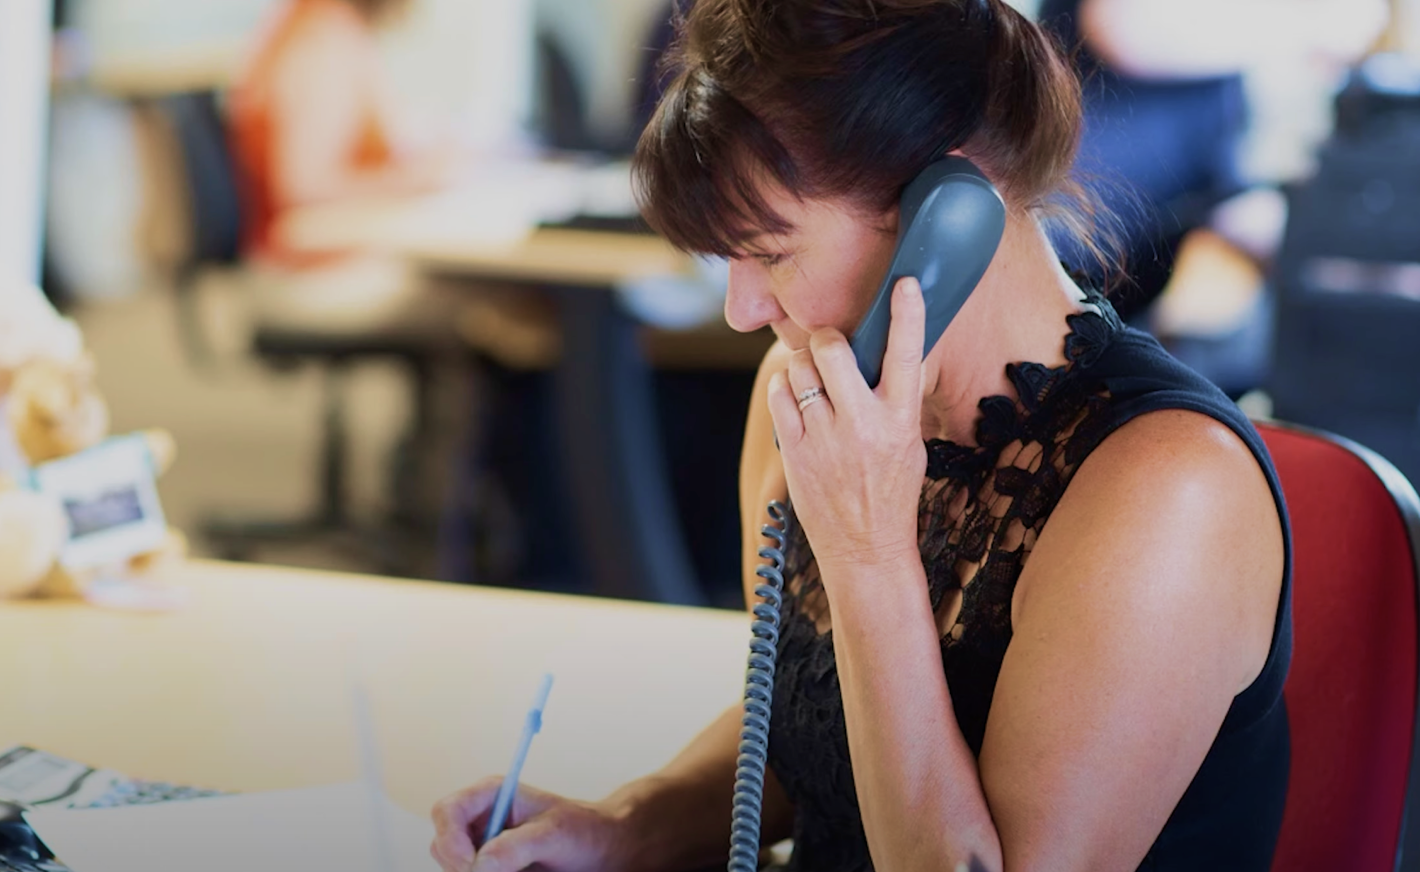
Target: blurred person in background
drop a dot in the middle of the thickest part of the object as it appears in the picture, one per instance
(313, 121)
(314, 124)
(314, 127)
(1166, 115)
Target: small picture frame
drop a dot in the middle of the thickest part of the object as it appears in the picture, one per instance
(110, 498)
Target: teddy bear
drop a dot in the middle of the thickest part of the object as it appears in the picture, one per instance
(50, 408)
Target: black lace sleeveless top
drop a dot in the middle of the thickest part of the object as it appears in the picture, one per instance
(981, 511)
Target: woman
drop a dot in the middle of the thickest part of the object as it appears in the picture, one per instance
(1037, 613)
(313, 125)
(312, 122)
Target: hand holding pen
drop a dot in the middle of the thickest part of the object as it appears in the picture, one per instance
(500, 826)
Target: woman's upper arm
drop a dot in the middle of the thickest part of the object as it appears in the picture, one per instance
(1148, 603)
(761, 475)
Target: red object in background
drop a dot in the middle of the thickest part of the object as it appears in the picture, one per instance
(254, 131)
(1351, 694)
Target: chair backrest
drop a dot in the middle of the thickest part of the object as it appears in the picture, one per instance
(1351, 694)
(214, 209)
(560, 115)
(211, 176)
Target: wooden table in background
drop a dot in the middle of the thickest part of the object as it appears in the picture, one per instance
(586, 258)
(615, 467)
(619, 485)
(251, 686)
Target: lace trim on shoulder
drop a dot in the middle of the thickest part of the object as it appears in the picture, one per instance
(1004, 419)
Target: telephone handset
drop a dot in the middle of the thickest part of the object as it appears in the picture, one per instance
(951, 220)
(950, 223)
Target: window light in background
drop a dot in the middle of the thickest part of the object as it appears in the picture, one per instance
(24, 81)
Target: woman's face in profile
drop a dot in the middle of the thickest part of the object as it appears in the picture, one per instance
(823, 273)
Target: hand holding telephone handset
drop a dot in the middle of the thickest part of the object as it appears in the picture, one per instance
(951, 220)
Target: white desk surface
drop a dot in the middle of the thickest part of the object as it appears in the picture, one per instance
(250, 686)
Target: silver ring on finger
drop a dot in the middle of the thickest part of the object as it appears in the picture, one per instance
(810, 396)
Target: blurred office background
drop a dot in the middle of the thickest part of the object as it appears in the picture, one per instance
(513, 78)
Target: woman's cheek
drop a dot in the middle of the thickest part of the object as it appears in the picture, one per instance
(833, 304)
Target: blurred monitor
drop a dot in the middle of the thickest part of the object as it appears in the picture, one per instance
(590, 63)
(1381, 99)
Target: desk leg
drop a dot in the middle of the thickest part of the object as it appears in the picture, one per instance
(621, 493)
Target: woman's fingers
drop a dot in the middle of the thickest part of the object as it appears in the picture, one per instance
(902, 362)
(784, 409)
(804, 381)
(449, 862)
(835, 364)
(453, 815)
(458, 818)
(522, 848)
(901, 382)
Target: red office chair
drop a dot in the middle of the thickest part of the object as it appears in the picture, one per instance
(1352, 692)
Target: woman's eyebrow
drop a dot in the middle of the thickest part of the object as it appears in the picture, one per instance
(747, 243)
(755, 250)
(779, 238)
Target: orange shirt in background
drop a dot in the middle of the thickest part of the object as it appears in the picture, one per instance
(254, 125)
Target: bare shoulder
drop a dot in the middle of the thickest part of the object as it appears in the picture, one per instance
(1171, 514)
(1178, 472)
(1174, 449)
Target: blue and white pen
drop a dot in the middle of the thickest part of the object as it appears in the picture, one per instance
(504, 802)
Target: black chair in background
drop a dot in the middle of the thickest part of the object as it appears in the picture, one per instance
(213, 210)
(560, 114)
(402, 542)
(1346, 356)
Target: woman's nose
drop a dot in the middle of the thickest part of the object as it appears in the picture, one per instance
(749, 305)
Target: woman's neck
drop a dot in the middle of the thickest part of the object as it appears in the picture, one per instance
(1017, 313)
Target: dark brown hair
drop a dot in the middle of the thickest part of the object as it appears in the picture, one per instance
(852, 99)
(378, 10)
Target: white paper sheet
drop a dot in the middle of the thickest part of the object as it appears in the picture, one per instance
(325, 829)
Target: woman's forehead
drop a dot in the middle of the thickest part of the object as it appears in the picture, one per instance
(799, 208)
(831, 222)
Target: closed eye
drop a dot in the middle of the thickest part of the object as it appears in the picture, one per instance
(770, 260)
